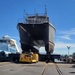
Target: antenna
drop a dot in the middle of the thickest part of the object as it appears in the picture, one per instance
(34, 11)
(24, 15)
(45, 11)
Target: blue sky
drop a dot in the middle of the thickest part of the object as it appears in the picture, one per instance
(60, 12)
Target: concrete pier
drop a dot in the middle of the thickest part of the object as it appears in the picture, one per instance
(8, 68)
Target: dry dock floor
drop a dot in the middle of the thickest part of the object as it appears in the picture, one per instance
(40, 68)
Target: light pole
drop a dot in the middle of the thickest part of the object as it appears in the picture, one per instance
(68, 49)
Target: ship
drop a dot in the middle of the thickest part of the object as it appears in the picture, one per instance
(8, 46)
(36, 31)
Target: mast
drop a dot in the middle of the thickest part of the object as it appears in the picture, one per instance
(45, 11)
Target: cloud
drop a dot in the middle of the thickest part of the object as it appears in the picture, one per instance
(61, 48)
(63, 39)
(66, 34)
(67, 37)
(42, 50)
(64, 45)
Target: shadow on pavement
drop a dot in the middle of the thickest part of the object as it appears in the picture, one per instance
(72, 72)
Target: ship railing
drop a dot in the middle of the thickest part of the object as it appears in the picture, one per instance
(33, 21)
(36, 20)
(27, 19)
(35, 14)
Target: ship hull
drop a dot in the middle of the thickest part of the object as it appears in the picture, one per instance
(36, 35)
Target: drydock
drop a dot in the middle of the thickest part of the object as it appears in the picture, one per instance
(40, 68)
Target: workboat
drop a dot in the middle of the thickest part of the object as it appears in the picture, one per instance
(36, 31)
